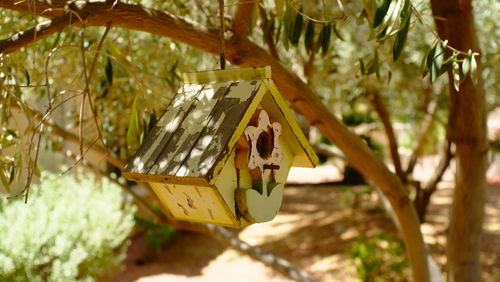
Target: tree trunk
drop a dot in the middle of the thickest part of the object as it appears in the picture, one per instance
(455, 23)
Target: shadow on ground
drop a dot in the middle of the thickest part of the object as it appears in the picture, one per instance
(315, 229)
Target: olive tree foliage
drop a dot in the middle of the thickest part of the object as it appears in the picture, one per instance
(133, 66)
(113, 83)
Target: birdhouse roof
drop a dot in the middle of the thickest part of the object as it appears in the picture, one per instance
(197, 132)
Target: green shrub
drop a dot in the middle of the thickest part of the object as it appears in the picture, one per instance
(380, 258)
(70, 230)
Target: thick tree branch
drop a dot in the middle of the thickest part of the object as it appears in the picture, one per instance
(242, 17)
(242, 52)
(39, 32)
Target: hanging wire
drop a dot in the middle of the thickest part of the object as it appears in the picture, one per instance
(222, 57)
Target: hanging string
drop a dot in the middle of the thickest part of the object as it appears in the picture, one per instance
(222, 57)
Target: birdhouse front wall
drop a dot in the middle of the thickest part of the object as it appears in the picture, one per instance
(230, 179)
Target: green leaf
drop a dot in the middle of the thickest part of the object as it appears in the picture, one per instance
(466, 67)
(433, 72)
(380, 12)
(152, 121)
(429, 60)
(473, 68)
(134, 126)
(456, 76)
(362, 66)
(402, 33)
(5, 182)
(287, 24)
(309, 38)
(297, 29)
(337, 33)
(27, 75)
(325, 42)
(108, 69)
(438, 58)
(12, 174)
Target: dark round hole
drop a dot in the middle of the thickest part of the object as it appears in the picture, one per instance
(265, 145)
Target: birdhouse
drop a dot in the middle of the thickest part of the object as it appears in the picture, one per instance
(222, 150)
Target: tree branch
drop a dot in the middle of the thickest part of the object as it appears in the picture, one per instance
(269, 36)
(444, 162)
(426, 126)
(36, 33)
(381, 109)
(242, 18)
(245, 53)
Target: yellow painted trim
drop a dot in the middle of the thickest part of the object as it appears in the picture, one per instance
(239, 131)
(169, 179)
(216, 76)
(232, 216)
(313, 158)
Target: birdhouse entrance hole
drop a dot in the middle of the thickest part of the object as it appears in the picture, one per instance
(265, 144)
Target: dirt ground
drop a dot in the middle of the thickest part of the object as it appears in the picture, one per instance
(314, 230)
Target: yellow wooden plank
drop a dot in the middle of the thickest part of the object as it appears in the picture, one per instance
(194, 203)
(312, 159)
(227, 75)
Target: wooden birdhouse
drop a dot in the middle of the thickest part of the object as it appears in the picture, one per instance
(222, 150)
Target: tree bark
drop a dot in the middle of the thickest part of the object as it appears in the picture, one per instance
(243, 52)
(384, 116)
(454, 21)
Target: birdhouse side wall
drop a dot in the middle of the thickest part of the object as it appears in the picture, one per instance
(194, 203)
